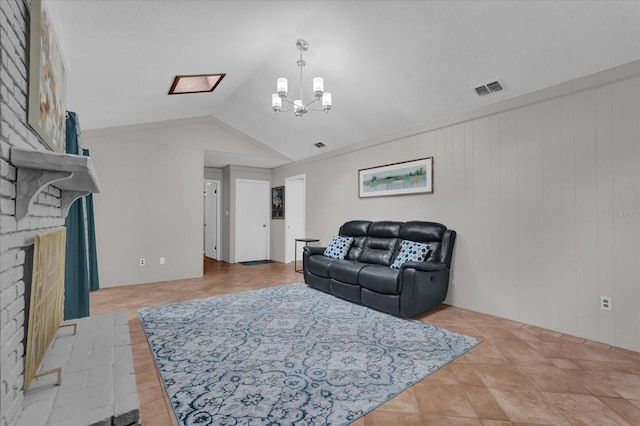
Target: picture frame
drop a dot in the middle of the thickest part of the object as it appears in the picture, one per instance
(407, 177)
(47, 80)
(277, 202)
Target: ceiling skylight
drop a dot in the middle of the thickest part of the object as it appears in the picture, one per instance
(198, 83)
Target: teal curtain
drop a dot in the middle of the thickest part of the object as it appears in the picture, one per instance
(81, 265)
(94, 283)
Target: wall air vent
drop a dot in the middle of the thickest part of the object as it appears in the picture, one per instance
(319, 145)
(488, 88)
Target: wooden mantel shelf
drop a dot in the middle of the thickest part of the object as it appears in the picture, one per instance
(74, 175)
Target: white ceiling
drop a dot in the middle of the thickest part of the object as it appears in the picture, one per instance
(390, 65)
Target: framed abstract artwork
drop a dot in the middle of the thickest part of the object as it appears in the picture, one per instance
(408, 177)
(47, 80)
(277, 202)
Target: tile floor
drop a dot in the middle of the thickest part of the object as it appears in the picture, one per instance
(519, 375)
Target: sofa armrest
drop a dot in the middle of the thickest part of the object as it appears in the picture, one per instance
(309, 250)
(424, 266)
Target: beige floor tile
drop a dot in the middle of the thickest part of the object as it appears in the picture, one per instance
(626, 409)
(444, 400)
(405, 402)
(465, 374)
(584, 410)
(386, 418)
(551, 379)
(431, 420)
(502, 377)
(528, 406)
(484, 404)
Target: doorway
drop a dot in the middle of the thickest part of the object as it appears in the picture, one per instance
(294, 217)
(211, 231)
(253, 220)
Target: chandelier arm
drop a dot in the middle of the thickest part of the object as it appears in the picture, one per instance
(312, 102)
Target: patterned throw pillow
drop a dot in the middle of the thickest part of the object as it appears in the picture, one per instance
(338, 247)
(410, 251)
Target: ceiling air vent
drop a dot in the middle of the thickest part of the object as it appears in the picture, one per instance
(482, 90)
(319, 145)
(488, 88)
(494, 87)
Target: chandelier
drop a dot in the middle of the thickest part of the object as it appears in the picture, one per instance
(298, 106)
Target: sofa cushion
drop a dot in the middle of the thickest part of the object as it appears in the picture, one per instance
(422, 232)
(338, 247)
(346, 271)
(319, 265)
(356, 248)
(380, 279)
(355, 228)
(379, 251)
(385, 229)
(410, 251)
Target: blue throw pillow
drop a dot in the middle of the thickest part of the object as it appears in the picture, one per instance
(338, 247)
(410, 251)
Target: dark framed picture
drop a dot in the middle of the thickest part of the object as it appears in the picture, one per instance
(277, 202)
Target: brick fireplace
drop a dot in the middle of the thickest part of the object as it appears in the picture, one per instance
(16, 235)
(46, 211)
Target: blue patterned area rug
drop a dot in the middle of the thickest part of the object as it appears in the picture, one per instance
(288, 355)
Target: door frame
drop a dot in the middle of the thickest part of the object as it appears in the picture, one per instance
(217, 224)
(267, 215)
(289, 247)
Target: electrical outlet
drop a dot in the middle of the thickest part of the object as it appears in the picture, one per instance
(162, 260)
(605, 303)
(142, 261)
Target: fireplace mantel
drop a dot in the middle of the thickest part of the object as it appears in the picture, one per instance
(74, 175)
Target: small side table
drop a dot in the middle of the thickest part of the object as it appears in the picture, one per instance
(306, 242)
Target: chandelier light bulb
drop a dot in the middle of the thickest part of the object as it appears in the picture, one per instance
(318, 86)
(276, 102)
(326, 101)
(282, 87)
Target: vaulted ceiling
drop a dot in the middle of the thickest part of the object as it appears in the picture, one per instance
(390, 65)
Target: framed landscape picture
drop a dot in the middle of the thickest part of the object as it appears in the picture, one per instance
(47, 80)
(409, 177)
(277, 202)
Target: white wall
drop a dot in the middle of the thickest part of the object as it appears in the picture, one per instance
(150, 207)
(151, 201)
(544, 192)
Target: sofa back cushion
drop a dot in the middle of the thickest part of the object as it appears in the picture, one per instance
(425, 232)
(358, 229)
(356, 248)
(380, 251)
(385, 229)
(355, 228)
(422, 232)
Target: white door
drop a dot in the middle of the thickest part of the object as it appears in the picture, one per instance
(211, 218)
(253, 219)
(294, 215)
